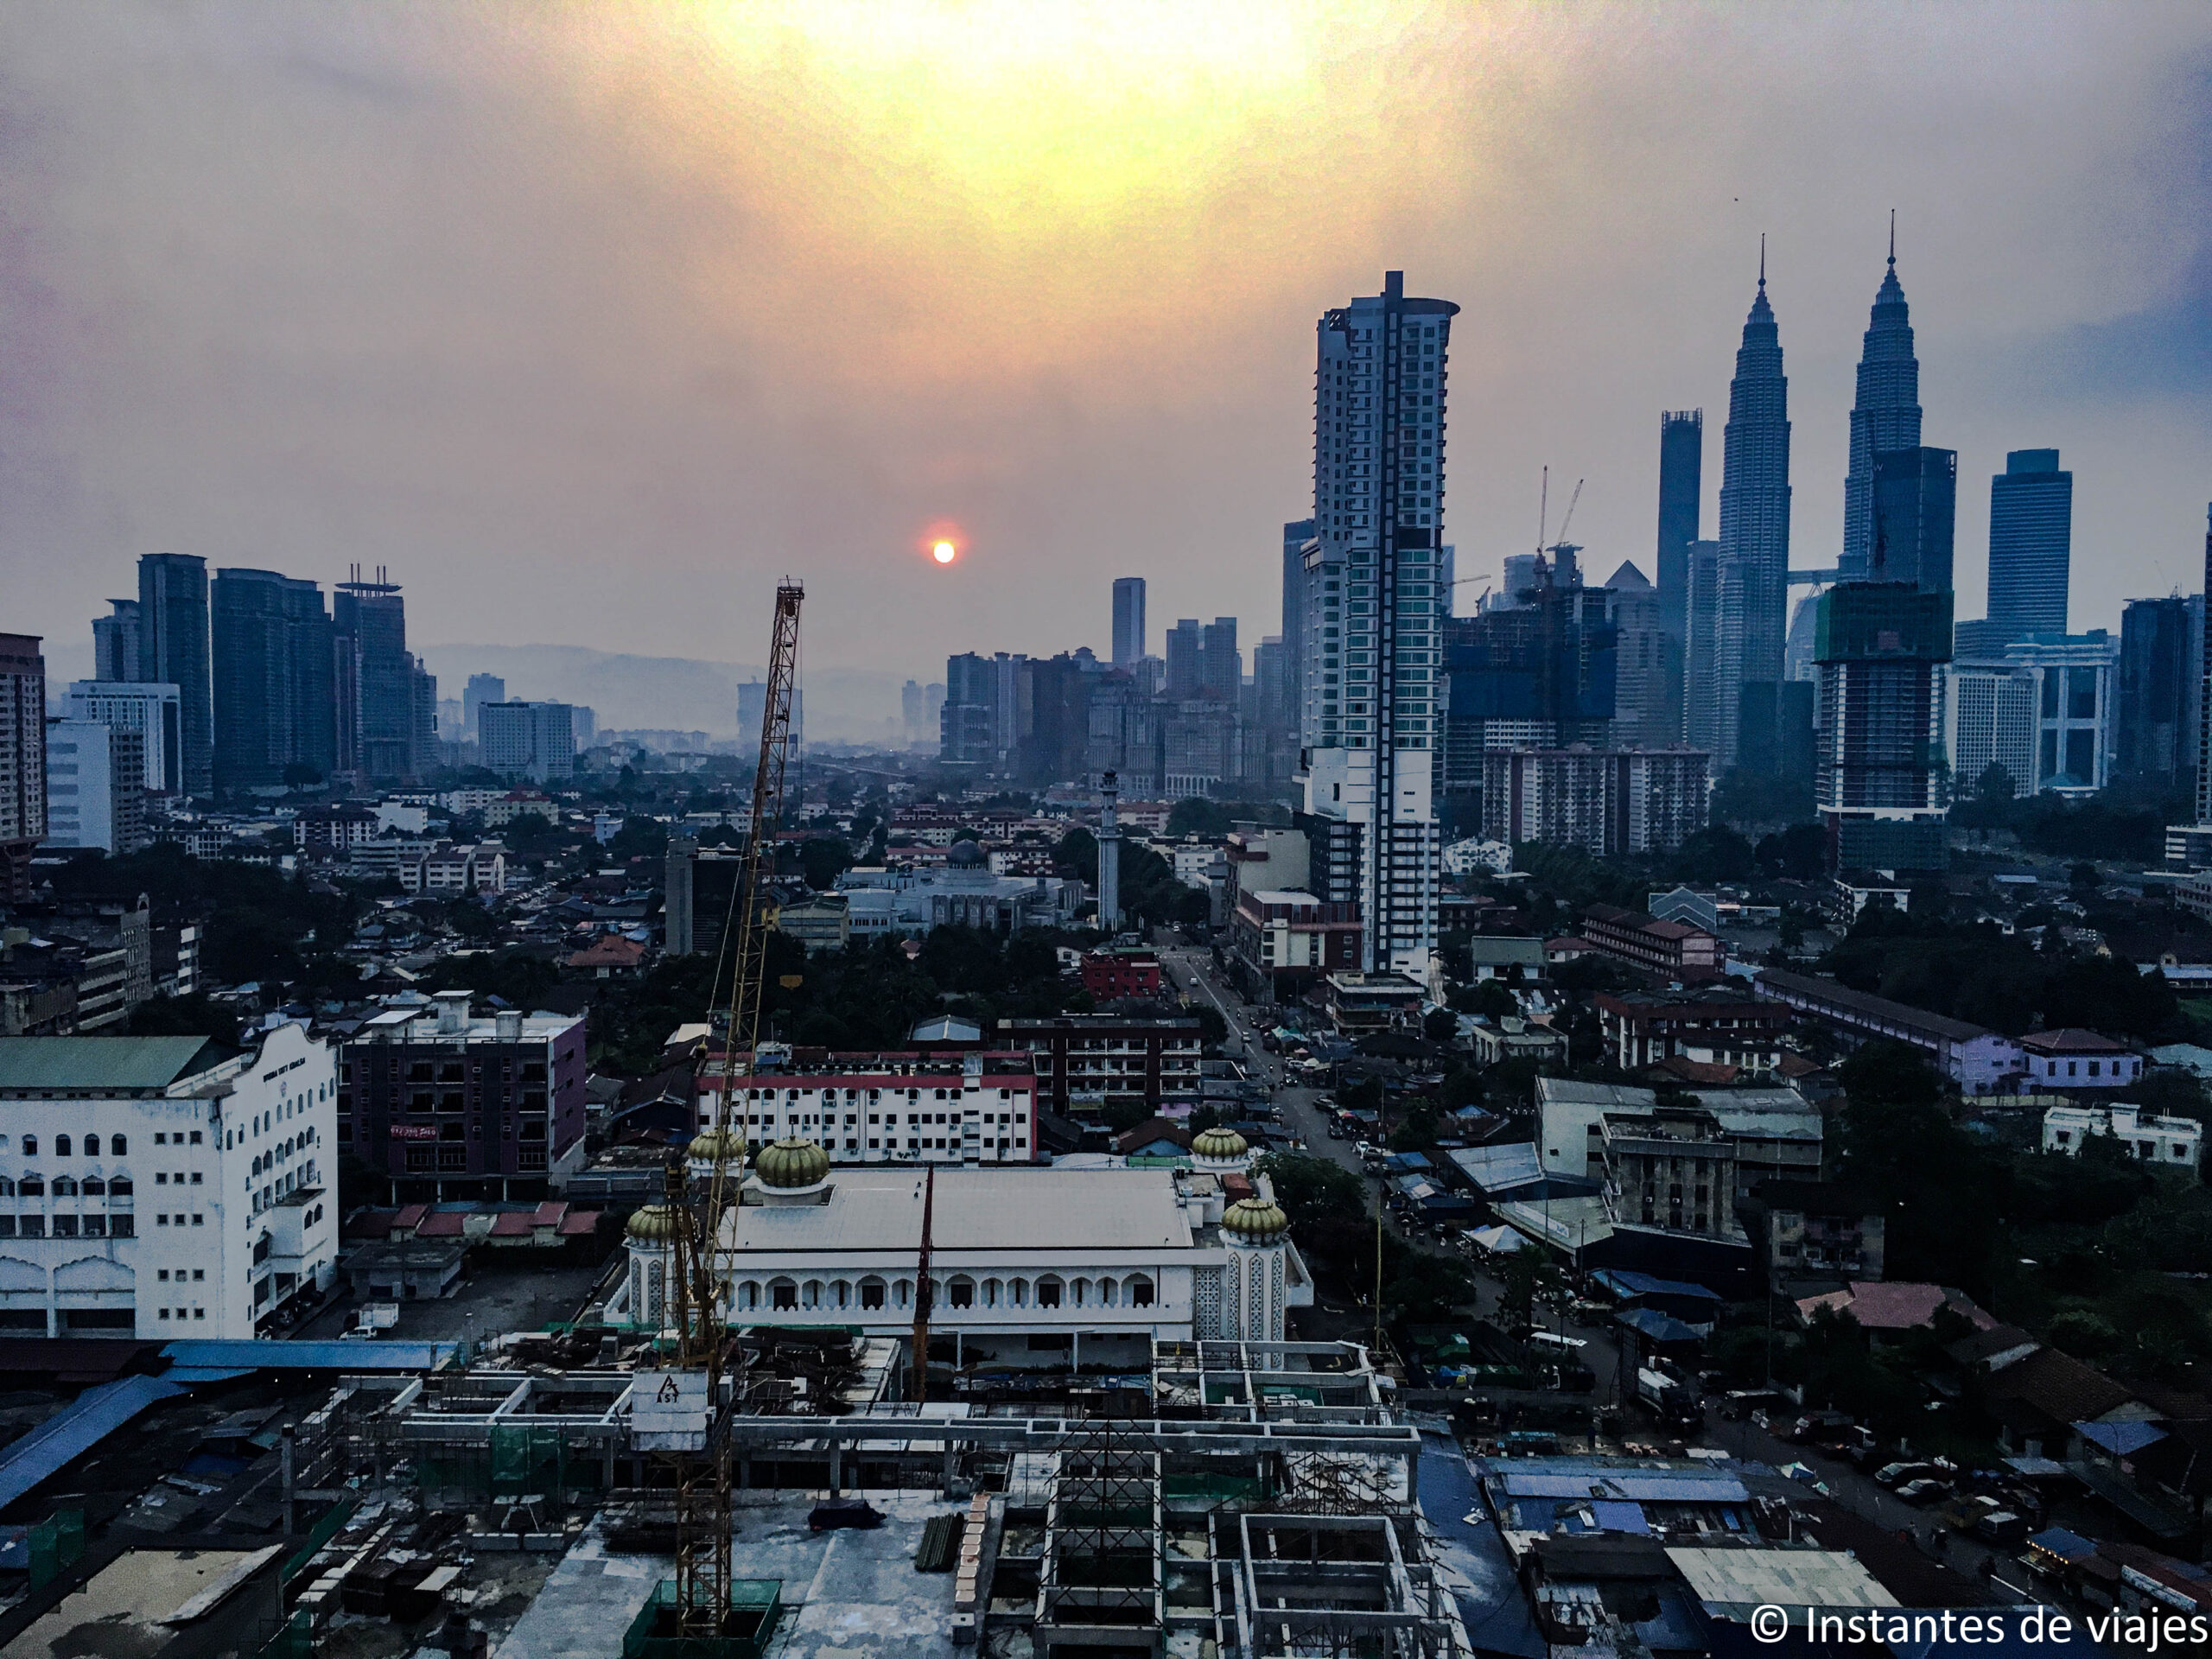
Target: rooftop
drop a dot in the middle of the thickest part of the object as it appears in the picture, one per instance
(1016, 1208)
(113, 1063)
(2072, 1039)
(147, 1602)
(1842, 996)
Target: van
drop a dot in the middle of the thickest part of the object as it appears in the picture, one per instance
(1552, 1343)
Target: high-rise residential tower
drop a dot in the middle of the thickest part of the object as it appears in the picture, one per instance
(1753, 574)
(1682, 485)
(1295, 535)
(271, 658)
(1221, 665)
(1885, 416)
(115, 642)
(1372, 643)
(387, 704)
(1186, 674)
(2030, 544)
(173, 650)
(22, 760)
(1129, 621)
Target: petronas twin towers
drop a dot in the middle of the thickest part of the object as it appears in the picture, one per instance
(1738, 601)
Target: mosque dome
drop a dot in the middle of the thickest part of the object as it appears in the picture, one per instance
(1218, 1145)
(1254, 1221)
(728, 1144)
(654, 1224)
(964, 855)
(792, 1163)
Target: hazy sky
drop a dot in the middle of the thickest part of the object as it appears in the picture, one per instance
(589, 321)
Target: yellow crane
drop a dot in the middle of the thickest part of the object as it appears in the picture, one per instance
(703, 1473)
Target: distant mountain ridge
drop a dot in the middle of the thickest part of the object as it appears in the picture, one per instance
(676, 693)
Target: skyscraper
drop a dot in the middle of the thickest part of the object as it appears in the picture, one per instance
(2204, 691)
(532, 740)
(967, 719)
(1754, 570)
(1186, 674)
(270, 654)
(1221, 665)
(1886, 416)
(376, 694)
(1129, 621)
(115, 642)
(479, 690)
(173, 650)
(1682, 494)
(1701, 645)
(2030, 544)
(1916, 510)
(1295, 535)
(1372, 641)
(22, 760)
(1882, 780)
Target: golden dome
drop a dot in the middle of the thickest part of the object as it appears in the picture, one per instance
(1219, 1144)
(1258, 1220)
(655, 1223)
(728, 1144)
(791, 1163)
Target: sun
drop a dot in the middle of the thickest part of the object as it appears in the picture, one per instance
(945, 552)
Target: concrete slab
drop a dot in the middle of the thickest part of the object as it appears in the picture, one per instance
(857, 1594)
(587, 1603)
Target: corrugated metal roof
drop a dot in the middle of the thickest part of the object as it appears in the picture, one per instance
(1624, 1283)
(101, 1062)
(380, 1355)
(88, 1419)
(1017, 1208)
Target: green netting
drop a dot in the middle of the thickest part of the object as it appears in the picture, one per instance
(321, 1534)
(755, 1606)
(57, 1544)
(295, 1641)
(519, 1458)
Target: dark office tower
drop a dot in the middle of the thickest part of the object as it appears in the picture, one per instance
(383, 727)
(967, 721)
(1753, 576)
(490, 688)
(1185, 658)
(1295, 535)
(1886, 418)
(2030, 543)
(1882, 786)
(270, 649)
(2158, 683)
(2204, 690)
(1701, 647)
(1129, 621)
(173, 651)
(1682, 485)
(115, 642)
(1221, 665)
(1916, 508)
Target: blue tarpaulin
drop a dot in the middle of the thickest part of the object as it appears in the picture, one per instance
(383, 1355)
(2122, 1439)
(76, 1429)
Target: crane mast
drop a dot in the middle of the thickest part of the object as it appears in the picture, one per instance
(702, 1477)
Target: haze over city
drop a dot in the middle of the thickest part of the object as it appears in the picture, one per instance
(588, 323)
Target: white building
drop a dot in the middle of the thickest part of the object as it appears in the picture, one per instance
(233, 1154)
(906, 904)
(1370, 653)
(1466, 857)
(1076, 1267)
(532, 740)
(889, 1109)
(151, 710)
(95, 786)
(2177, 1142)
(2048, 713)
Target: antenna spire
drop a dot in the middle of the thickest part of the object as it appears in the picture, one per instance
(1893, 238)
(1762, 262)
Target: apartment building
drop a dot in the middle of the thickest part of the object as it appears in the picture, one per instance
(1086, 1062)
(975, 1108)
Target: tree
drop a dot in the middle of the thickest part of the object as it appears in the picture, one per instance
(1311, 1190)
(1716, 853)
(1887, 1074)
(1439, 1025)
(1486, 997)
(1196, 816)
(1796, 854)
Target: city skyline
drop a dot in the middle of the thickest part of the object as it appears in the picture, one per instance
(468, 451)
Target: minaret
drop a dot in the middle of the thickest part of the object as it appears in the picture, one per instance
(1109, 858)
(1886, 416)
(1753, 567)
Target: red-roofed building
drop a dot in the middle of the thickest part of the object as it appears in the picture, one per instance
(1673, 952)
(1109, 973)
(2071, 1058)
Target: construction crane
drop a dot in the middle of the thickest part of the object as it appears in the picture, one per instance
(922, 1291)
(702, 1474)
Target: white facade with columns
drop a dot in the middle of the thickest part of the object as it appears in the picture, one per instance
(1090, 1254)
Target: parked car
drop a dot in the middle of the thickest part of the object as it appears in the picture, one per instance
(1925, 1489)
(1820, 1428)
(1895, 1474)
(2001, 1526)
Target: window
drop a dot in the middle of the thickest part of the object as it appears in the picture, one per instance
(1140, 1290)
(119, 1187)
(32, 1187)
(92, 1146)
(64, 1187)
(61, 1146)
(962, 1292)
(30, 1145)
(783, 1295)
(1048, 1291)
(871, 1292)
